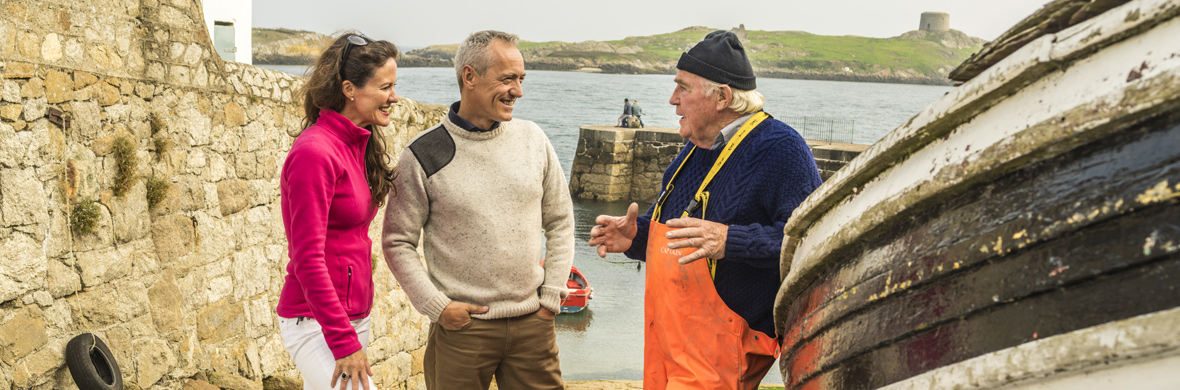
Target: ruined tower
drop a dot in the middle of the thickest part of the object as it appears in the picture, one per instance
(935, 22)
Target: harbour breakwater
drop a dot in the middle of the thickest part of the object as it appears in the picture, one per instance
(615, 163)
(139, 178)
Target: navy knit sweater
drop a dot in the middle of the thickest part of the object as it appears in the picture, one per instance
(767, 176)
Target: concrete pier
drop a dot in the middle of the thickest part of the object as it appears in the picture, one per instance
(614, 163)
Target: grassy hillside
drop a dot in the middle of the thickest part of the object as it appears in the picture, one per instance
(914, 57)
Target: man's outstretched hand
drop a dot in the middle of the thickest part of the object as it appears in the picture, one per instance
(614, 234)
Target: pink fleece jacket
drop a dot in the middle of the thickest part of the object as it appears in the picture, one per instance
(326, 213)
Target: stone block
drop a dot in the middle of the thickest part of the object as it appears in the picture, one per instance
(177, 50)
(74, 51)
(174, 237)
(29, 45)
(416, 358)
(87, 118)
(232, 382)
(279, 382)
(10, 91)
(51, 48)
(103, 265)
(218, 239)
(22, 198)
(105, 58)
(220, 321)
(145, 90)
(179, 75)
(233, 196)
(193, 54)
(22, 334)
(153, 359)
(155, 71)
(11, 112)
(83, 79)
(35, 88)
(246, 166)
(37, 368)
(170, 204)
(107, 94)
(129, 216)
(247, 265)
(234, 114)
(201, 76)
(110, 304)
(19, 70)
(196, 384)
(191, 193)
(103, 146)
(165, 301)
(35, 109)
(63, 279)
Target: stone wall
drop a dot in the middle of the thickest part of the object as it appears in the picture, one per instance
(183, 287)
(614, 163)
(831, 156)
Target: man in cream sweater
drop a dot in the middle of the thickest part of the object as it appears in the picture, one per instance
(479, 188)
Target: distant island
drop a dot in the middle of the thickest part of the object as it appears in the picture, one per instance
(916, 57)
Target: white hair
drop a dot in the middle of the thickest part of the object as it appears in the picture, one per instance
(476, 51)
(744, 101)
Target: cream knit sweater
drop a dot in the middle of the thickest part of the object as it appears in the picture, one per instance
(485, 205)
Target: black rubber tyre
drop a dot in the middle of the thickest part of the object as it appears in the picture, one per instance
(92, 365)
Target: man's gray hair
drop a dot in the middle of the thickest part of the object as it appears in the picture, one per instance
(475, 51)
(744, 102)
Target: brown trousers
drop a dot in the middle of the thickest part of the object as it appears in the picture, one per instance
(521, 352)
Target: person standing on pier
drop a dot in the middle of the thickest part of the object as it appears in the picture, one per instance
(637, 112)
(334, 178)
(626, 112)
(478, 189)
(725, 200)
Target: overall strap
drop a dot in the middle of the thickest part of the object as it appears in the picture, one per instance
(702, 197)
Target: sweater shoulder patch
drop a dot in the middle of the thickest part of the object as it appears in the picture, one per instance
(434, 150)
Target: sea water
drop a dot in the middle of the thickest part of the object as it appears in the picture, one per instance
(605, 341)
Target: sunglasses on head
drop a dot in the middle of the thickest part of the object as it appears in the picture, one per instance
(359, 40)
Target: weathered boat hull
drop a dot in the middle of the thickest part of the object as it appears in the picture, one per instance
(1024, 229)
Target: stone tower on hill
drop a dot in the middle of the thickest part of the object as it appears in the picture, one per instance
(935, 22)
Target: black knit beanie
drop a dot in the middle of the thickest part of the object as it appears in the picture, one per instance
(720, 58)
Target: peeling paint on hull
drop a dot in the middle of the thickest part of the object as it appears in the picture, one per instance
(1037, 201)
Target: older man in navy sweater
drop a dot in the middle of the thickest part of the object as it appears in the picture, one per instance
(724, 200)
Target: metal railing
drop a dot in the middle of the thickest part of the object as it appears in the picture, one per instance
(823, 129)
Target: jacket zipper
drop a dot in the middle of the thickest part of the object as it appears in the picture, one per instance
(348, 293)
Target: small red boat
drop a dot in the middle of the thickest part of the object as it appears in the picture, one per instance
(580, 292)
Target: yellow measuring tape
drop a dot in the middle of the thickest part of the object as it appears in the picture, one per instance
(701, 198)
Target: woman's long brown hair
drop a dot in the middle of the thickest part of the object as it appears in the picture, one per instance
(324, 89)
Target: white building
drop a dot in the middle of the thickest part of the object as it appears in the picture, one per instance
(229, 23)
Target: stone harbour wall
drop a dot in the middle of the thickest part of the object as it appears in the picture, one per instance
(614, 163)
(103, 100)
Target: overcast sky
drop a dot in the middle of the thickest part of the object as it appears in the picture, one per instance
(427, 22)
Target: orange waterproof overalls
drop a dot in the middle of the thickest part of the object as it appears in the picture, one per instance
(692, 340)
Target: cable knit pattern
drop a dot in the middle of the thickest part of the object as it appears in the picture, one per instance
(480, 201)
(768, 175)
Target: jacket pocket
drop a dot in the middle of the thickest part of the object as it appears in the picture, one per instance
(348, 292)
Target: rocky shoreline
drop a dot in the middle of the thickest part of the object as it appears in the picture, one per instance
(915, 57)
(881, 77)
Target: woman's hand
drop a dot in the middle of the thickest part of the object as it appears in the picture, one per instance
(351, 368)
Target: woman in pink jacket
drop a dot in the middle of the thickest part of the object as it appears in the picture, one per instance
(335, 177)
